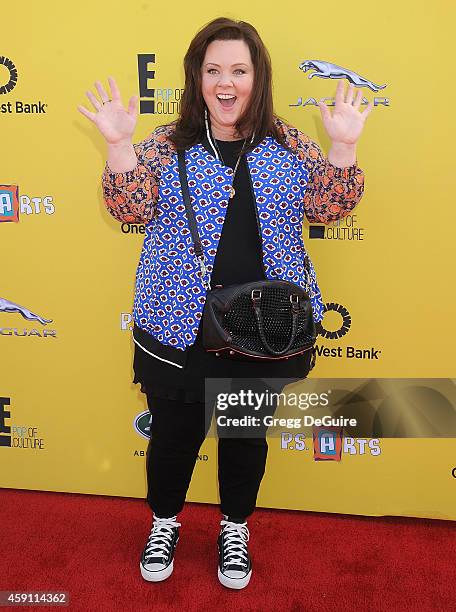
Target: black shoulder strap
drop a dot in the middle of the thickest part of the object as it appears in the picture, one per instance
(188, 205)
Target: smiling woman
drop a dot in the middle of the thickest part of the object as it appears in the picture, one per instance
(227, 60)
(251, 179)
(227, 87)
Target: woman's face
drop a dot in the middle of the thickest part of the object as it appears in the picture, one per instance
(227, 81)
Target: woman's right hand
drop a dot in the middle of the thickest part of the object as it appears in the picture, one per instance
(116, 123)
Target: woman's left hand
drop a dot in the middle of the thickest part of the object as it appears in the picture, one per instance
(346, 123)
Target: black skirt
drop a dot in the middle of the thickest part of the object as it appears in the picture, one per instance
(188, 384)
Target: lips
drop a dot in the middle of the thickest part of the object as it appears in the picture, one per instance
(226, 101)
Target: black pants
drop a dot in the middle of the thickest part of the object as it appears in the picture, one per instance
(176, 434)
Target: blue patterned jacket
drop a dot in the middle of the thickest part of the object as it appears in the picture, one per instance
(288, 183)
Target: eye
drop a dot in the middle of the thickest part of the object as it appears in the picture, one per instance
(211, 70)
(240, 70)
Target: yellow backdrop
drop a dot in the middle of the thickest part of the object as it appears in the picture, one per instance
(68, 409)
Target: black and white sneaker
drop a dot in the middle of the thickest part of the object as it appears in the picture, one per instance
(157, 559)
(235, 565)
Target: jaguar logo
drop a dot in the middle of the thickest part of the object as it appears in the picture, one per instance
(326, 70)
(7, 306)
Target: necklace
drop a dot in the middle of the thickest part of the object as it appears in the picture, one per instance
(232, 189)
(218, 154)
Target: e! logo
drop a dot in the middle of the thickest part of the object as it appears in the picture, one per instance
(5, 440)
(144, 74)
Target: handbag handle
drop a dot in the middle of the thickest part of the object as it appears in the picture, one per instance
(257, 311)
(191, 218)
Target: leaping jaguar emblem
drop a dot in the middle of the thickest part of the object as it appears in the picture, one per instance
(7, 306)
(326, 70)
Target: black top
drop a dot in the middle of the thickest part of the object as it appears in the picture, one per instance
(238, 260)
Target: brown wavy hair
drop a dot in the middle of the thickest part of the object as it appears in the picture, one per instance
(259, 114)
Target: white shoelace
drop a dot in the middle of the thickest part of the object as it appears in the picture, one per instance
(235, 538)
(160, 537)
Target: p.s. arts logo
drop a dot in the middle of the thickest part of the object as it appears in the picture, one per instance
(7, 307)
(343, 323)
(155, 100)
(13, 206)
(7, 84)
(17, 436)
(329, 444)
(328, 70)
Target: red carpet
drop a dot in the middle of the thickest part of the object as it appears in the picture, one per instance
(90, 546)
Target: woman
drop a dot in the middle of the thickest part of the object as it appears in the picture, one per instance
(252, 176)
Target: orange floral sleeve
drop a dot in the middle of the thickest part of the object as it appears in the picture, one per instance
(331, 193)
(131, 197)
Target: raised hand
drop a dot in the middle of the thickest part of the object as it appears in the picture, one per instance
(116, 123)
(345, 124)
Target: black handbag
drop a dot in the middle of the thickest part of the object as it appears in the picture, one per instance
(262, 320)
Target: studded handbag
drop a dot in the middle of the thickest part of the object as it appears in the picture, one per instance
(256, 321)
